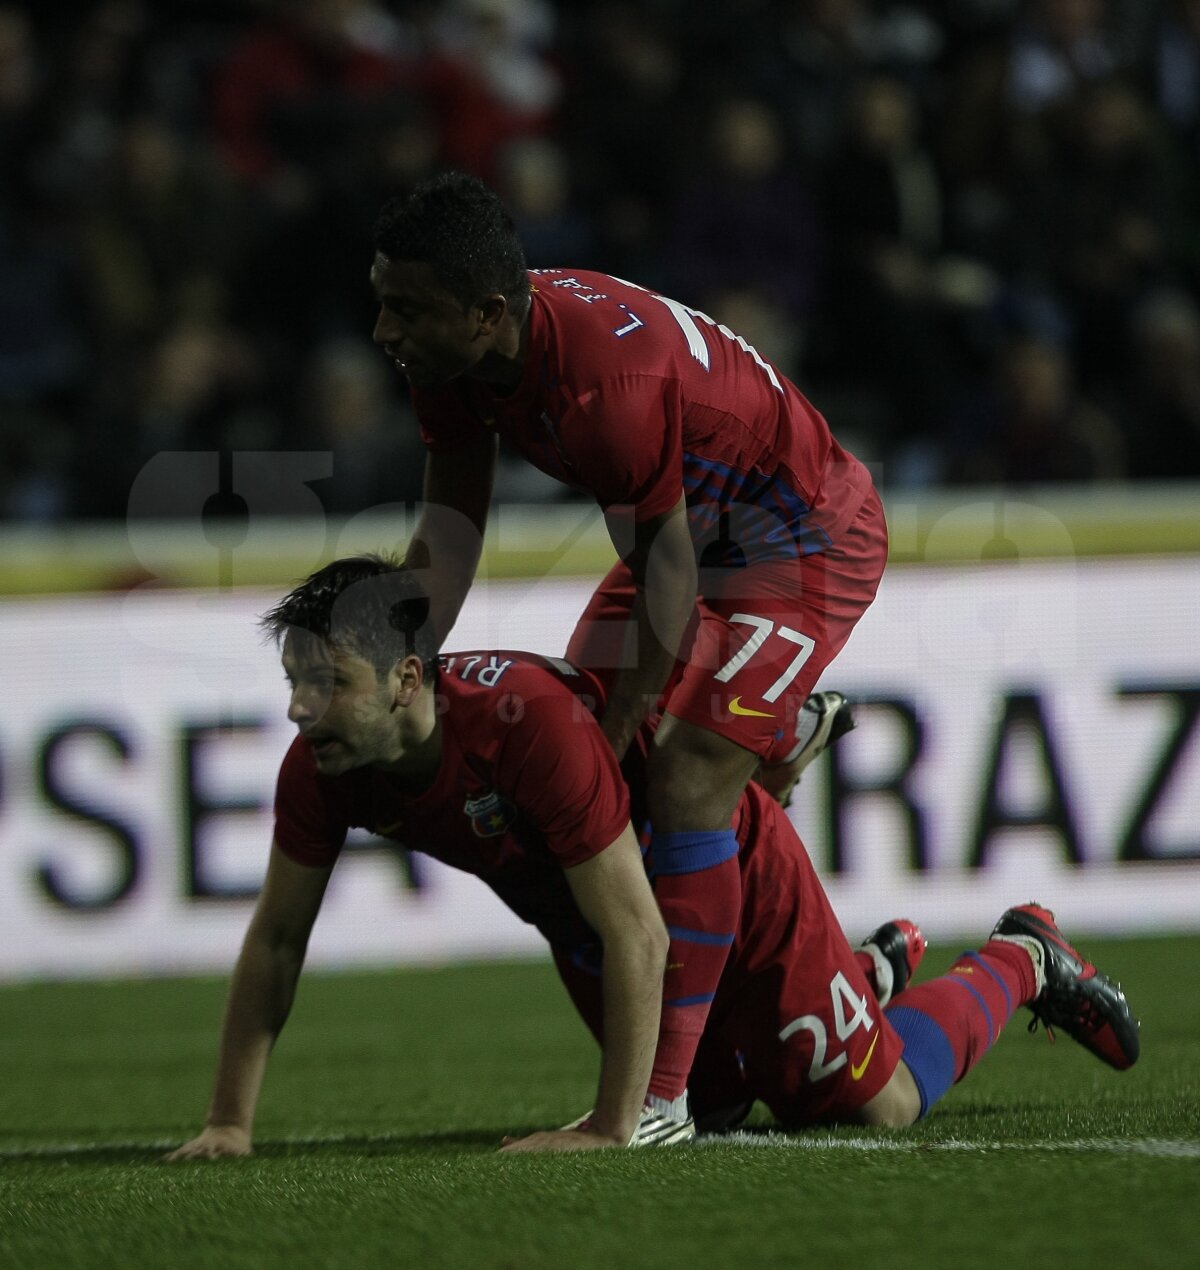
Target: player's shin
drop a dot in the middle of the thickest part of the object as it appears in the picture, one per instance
(948, 1024)
(701, 908)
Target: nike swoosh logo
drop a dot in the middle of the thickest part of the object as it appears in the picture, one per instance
(856, 1072)
(736, 707)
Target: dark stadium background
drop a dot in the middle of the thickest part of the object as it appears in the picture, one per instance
(970, 228)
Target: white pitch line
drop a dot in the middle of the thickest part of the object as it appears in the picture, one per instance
(1159, 1148)
(1156, 1148)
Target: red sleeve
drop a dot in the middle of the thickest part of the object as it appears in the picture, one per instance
(310, 817)
(557, 766)
(447, 421)
(626, 437)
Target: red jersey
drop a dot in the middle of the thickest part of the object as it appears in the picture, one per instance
(528, 786)
(636, 399)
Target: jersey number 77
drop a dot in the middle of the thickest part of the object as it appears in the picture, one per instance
(764, 628)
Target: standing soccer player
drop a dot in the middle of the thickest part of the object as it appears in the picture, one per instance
(750, 541)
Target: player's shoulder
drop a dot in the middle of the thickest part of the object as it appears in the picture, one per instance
(609, 325)
(585, 297)
(474, 674)
(501, 697)
(590, 288)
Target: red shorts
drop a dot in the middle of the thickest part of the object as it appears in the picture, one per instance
(761, 637)
(795, 1023)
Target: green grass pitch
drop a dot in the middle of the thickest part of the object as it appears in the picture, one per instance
(389, 1093)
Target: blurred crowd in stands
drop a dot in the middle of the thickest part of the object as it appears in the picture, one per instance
(969, 229)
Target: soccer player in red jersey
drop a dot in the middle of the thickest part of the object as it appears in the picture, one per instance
(485, 762)
(493, 763)
(751, 542)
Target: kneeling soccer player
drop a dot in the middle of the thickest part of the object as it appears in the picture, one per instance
(493, 763)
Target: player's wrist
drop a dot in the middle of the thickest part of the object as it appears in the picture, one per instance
(618, 1131)
(228, 1128)
(661, 1122)
(611, 1121)
(616, 1139)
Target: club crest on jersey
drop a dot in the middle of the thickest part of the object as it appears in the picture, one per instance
(489, 813)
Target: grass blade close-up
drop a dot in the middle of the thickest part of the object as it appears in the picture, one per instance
(389, 1093)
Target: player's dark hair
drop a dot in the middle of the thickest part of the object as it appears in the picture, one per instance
(370, 605)
(456, 225)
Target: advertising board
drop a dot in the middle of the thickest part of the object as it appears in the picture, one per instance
(1025, 730)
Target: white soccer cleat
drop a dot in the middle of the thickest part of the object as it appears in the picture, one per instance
(824, 718)
(656, 1130)
(662, 1123)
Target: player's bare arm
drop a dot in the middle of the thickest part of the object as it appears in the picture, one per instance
(260, 998)
(448, 539)
(614, 896)
(663, 563)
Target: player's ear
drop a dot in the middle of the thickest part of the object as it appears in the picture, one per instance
(406, 679)
(491, 310)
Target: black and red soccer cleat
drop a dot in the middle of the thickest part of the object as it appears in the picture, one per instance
(1076, 997)
(900, 945)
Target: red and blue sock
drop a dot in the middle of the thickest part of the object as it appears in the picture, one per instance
(948, 1024)
(698, 886)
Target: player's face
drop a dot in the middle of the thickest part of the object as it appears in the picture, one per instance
(343, 709)
(421, 326)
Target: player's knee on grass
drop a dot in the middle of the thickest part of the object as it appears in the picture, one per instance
(897, 1105)
(695, 778)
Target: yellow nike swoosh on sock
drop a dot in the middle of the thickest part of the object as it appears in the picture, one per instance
(736, 707)
(856, 1072)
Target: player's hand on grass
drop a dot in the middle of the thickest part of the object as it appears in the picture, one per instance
(214, 1142)
(561, 1140)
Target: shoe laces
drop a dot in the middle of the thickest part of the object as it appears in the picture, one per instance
(1033, 1027)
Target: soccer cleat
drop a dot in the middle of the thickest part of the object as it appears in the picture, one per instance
(1076, 996)
(660, 1126)
(656, 1130)
(897, 948)
(834, 717)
